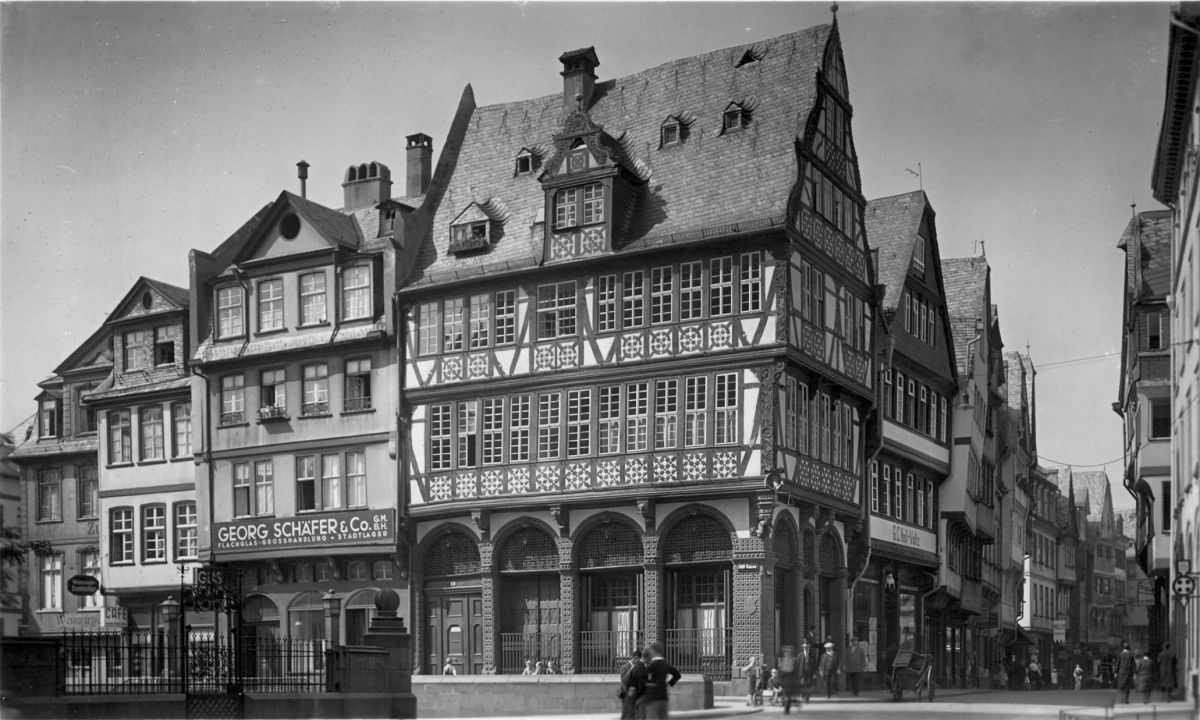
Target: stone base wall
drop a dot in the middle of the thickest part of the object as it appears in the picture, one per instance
(561, 695)
(257, 705)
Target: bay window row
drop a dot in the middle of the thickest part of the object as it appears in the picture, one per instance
(828, 304)
(50, 494)
(666, 414)
(902, 495)
(914, 404)
(323, 481)
(151, 528)
(158, 433)
(309, 291)
(688, 291)
(821, 426)
(273, 385)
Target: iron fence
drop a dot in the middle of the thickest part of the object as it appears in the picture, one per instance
(516, 648)
(606, 651)
(156, 662)
(706, 651)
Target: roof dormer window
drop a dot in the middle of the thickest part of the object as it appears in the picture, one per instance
(735, 117)
(669, 134)
(469, 236)
(527, 162)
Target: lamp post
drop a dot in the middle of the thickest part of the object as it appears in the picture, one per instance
(170, 615)
(333, 609)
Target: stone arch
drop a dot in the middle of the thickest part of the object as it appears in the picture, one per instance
(832, 555)
(785, 549)
(449, 550)
(528, 607)
(501, 536)
(526, 548)
(710, 527)
(607, 540)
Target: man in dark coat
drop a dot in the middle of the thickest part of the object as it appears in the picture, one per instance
(628, 693)
(856, 663)
(806, 665)
(1125, 668)
(828, 670)
(652, 681)
(1166, 672)
(1144, 674)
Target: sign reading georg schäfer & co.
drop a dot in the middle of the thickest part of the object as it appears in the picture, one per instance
(355, 527)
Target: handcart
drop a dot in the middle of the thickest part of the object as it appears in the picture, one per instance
(912, 671)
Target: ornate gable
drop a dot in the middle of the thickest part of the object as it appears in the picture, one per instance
(294, 226)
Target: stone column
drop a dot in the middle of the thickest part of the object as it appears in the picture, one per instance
(653, 588)
(753, 601)
(568, 581)
(489, 583)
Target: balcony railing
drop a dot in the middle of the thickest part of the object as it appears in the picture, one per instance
(317, 408)
(267, 413)
(605, 651)
(707, 651)
(233, 418)
(516, 648)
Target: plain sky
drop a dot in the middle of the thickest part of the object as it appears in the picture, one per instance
(133, 132)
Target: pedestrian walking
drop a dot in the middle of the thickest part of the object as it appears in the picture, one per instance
(753, 671)
(788, 667)
(806, 670)
(1144, 676)
(528, 667)
(856, 663)
(828, 670)
(448, 668)
(1035, 675)
(1078, 677)
(1125, 671)
(653, 680)
(628, 693)
(1166, 671)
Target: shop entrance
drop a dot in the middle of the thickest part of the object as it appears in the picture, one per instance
(455, 631)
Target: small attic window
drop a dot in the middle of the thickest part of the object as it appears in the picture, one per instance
(673, 131)
(736, 117)
(527, 162)
(289, 226)
(146, 300)
(470, 236)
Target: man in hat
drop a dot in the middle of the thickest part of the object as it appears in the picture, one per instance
(856, 663)
(806, 665)
(652, 680)
(828, 670)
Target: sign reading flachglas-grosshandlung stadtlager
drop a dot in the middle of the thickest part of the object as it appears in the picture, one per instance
(356, 527)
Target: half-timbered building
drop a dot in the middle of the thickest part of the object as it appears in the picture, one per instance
(638, 367)
(917, 389)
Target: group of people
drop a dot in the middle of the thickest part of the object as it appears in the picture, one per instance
(540, 667)
(796, 676)
(1140, 670)
(645, 679)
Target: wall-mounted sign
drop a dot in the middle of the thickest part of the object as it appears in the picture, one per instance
(356, 527)
(83, 585)
(1060, 630)
(901, 534)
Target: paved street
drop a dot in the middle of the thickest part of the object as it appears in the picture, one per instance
(964, 704)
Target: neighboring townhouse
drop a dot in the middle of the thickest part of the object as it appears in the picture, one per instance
(1144, 401)
(1137, 590)
(60, 478)
(969, 500)
(1072, 576)
(917, 389)
(1174, 182)
(1041, 591)
(639, 368)
(1104, 551)
(14, 577)
(148, 516)
(294, 405)
(1016, 458)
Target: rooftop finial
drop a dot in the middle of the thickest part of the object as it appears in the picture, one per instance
(833, 9)
(1133, 208)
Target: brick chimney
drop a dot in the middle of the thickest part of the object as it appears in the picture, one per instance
(420, 160)
(579, 78)
(366, 185)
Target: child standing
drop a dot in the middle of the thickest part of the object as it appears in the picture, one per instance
(753, 672)
(1078, 678)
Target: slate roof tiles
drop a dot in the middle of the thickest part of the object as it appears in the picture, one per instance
(746, 175)
(892, 224)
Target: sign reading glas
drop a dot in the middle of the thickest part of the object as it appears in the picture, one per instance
(356, 527)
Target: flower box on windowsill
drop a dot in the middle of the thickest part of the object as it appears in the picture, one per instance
(271, 413)
(359, 404)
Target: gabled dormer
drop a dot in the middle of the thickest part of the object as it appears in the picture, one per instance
(148, 329)
(476, 228)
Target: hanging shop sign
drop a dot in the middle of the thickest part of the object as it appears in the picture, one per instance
(901, 534)
(356, 527)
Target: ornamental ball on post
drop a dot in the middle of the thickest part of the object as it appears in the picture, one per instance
(387, 601)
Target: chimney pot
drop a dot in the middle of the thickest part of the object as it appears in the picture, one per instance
(420, 162)
(366, 185)
(579, 78)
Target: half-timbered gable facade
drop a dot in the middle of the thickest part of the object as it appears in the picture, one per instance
(60, 479)
(638, 367)
(148, 516)
(296, 402)
(917, 388)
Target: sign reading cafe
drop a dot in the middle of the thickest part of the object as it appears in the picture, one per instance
(355, 527)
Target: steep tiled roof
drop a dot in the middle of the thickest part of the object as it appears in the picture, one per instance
(333, 224)
(175, 294)
(1097, 491)
(966, 286)
(1151, 231)
(1015, 364)
(892, 224)
(746, 176)
(963, 331)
